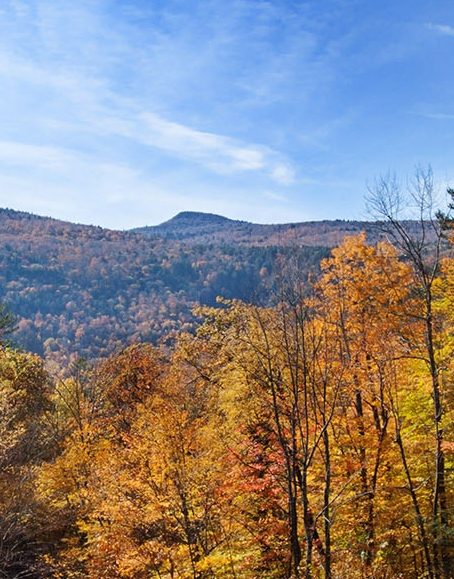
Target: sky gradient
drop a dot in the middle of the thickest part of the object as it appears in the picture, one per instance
(124, 113)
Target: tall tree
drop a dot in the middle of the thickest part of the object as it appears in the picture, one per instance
(365, 293)
(421, 242)
(284, 391)
(24, 401)
(8, 324)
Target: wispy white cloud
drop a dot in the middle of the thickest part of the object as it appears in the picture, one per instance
(220, 153)
(38, 157)
(443, 29)
(283, 174)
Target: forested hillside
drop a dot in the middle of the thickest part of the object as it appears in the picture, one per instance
(82, 291)
(312, 437)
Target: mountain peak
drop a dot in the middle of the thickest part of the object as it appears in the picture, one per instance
(191, 225)
(196, 218)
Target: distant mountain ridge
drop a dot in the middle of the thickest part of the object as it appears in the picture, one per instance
(199, 227)
(82, 290)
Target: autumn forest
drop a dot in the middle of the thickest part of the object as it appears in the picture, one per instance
(305, 433)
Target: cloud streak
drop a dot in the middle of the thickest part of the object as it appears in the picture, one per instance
(443, 29)
(219, 153)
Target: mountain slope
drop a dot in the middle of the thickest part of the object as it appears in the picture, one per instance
(86, 291)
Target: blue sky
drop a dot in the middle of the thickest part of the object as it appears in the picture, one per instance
(123, 113)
